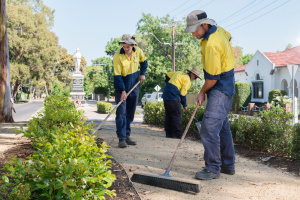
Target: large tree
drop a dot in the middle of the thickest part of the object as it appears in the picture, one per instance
(31, 44)
(5, 102)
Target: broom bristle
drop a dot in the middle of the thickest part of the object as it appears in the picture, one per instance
(165, 182)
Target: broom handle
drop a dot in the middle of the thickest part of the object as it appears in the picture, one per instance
(99, 126)
(183, 136)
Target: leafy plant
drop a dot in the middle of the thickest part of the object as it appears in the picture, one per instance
(104, 107)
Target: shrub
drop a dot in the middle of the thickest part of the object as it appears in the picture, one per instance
(56, 89)
(67, 163)
(154, 113)
(104, 107)
(242, 95)
(274, 93)
(296, 142)
(269, 131)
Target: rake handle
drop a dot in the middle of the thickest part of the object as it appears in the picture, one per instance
(99, 126)
(191, 115)
(182, 138)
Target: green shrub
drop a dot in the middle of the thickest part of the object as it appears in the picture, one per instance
(67, 163)
(104, 107)
(296, 142)
(56, 89)
(242, 95)
(154, 113)
(275, 93)
(269, 131)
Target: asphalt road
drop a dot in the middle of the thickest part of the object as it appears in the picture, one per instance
(25, 111)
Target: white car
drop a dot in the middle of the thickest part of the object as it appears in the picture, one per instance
(155, 96)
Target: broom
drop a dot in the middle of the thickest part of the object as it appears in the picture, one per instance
(165, 180)
(99, 126)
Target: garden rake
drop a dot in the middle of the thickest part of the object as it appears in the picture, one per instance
(99, 126)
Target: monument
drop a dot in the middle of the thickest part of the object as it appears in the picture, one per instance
(77, 79)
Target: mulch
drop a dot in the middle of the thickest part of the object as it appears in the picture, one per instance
(126, 190)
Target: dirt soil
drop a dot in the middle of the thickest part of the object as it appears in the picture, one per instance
(258, 175)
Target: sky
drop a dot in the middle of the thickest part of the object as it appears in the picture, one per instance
(265, 25)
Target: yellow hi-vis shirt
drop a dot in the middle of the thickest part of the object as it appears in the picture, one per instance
(177, 87)
(126, 70)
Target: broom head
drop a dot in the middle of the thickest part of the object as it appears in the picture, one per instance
(168, 182)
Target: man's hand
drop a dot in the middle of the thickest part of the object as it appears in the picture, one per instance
(200, 98)
(123, 96)
(185, 108)
(142, 78)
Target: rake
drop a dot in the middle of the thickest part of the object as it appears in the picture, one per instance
(99, 126)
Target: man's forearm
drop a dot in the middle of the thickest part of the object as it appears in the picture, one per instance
(207, 86)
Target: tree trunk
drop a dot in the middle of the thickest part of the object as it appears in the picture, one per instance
(16, 89)
(5, 101)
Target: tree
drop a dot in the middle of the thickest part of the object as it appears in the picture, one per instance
(246, 58)
(36, 6)
(5, 101)
(288, 46)
(33, 45)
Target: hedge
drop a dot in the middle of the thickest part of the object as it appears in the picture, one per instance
(154, 113)
(103, 107)
(67, 163)
(242, 95)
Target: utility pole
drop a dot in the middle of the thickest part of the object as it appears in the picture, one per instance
(173, 24)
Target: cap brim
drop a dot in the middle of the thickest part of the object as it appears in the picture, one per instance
(193, 28)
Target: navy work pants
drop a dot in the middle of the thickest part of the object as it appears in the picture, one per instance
(215, 132)
(173, 118)
(125, 113)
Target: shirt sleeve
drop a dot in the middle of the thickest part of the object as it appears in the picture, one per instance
(118, 79)
(143, 63)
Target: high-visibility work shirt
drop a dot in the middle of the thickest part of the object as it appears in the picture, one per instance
(126, 73)
(177, 86)
(218, 59)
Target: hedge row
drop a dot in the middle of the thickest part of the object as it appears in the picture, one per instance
(154, 113)
(67, 163)
(242, 95)
(268, 131)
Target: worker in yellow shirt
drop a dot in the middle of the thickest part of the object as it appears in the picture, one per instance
(126, 75)
(178, 83)
(218, 68)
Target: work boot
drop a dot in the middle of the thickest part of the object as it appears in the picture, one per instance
(227, 171)
(129, 141)
(122, 143)
(206, 175)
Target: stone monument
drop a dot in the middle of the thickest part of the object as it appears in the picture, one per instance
(77, 79)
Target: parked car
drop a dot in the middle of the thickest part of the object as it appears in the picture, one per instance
(155, 96)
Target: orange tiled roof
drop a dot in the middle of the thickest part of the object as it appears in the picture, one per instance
(241, 68)
(287, 57)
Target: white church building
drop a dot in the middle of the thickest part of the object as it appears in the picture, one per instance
(267, 71)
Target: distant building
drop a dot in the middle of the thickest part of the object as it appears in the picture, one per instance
(267, 71)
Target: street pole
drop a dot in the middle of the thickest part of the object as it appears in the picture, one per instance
(293, 93)
(173, 47)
